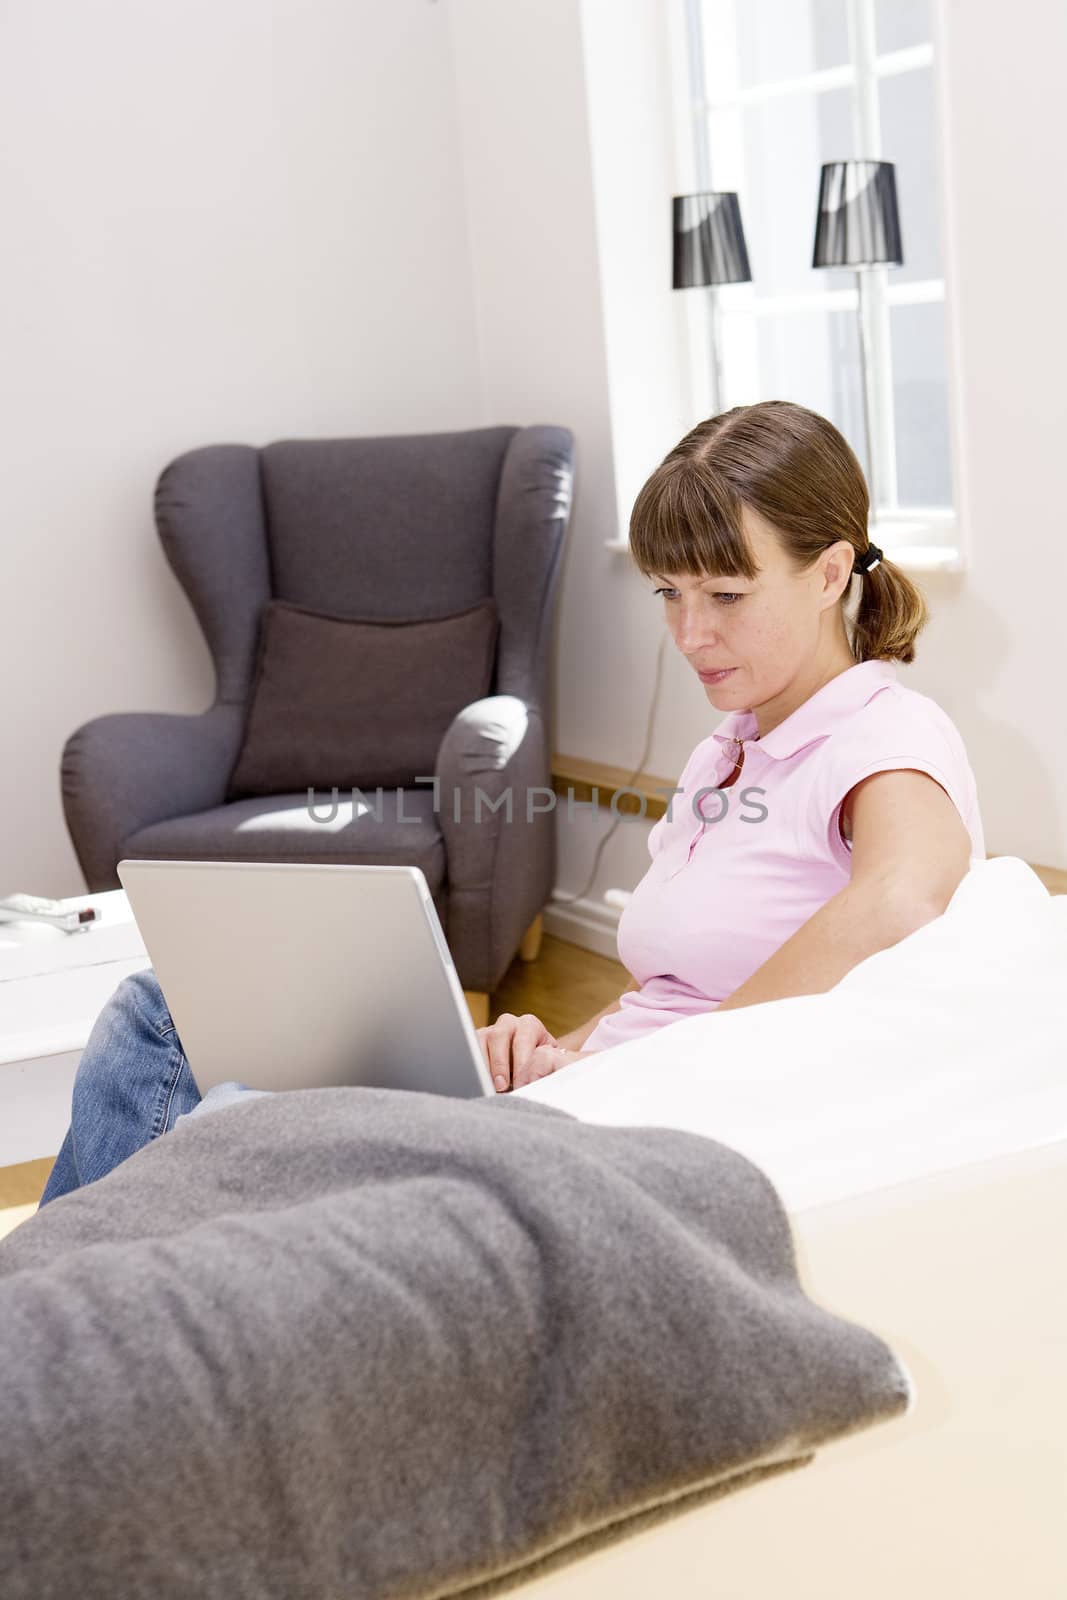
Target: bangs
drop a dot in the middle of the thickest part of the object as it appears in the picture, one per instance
(686, 519)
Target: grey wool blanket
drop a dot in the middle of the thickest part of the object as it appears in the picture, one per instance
(371, 1344)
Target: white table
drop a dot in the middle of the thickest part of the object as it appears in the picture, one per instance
(53, 986)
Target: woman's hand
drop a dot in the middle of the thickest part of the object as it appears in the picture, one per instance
(509, 1044)
(518, 1050)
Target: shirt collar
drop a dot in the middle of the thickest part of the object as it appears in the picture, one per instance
(820, 714)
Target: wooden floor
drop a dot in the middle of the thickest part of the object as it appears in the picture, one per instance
(20, 1189)
(564, 986)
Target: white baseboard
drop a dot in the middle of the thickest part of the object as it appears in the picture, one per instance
(589, 923)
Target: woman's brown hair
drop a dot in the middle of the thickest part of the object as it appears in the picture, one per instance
(797, 471)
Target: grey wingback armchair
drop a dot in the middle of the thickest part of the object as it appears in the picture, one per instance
(402, 527)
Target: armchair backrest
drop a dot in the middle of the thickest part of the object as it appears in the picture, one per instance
(405, 526)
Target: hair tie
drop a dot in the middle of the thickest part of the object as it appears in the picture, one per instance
(868, 560)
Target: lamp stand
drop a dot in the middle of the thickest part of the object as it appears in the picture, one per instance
(865, 372)
(715, 337)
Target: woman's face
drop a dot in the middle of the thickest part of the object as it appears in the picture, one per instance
(773, 636)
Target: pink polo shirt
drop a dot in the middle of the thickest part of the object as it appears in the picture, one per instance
(736, 871)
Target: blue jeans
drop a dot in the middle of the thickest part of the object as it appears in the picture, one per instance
(133, 1083)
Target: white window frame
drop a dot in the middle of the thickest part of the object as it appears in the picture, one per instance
(925, 539)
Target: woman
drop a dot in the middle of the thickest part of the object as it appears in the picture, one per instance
(831, 813)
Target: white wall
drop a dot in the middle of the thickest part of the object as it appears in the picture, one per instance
(996, 650)
(263, 219)
(222, 220)
(536, 260)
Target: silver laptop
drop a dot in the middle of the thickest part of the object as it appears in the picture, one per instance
(286, 976)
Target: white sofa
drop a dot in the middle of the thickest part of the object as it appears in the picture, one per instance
(914, 1120)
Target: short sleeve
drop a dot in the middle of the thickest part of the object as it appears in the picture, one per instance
(911, 733)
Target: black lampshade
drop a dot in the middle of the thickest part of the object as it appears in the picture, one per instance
(858, 224)
(709, 241)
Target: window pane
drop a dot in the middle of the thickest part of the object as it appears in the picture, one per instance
(909, 138)
(770, 149)
(779, 197)
(920, 403)
(788, 38)
(811, 357)
(901, 23)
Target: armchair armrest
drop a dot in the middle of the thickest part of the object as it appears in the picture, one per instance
(123, 772)
(495, 809)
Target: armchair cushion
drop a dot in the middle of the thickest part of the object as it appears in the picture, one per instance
(341, 702)
(399, 827)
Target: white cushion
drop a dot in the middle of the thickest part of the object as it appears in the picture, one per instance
(950, 1047)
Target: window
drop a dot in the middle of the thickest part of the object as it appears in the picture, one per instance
(777, 87)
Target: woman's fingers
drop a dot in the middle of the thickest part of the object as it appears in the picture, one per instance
(495, 1042)
(547, 1058)
(509, 1044)
(530, 1033)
